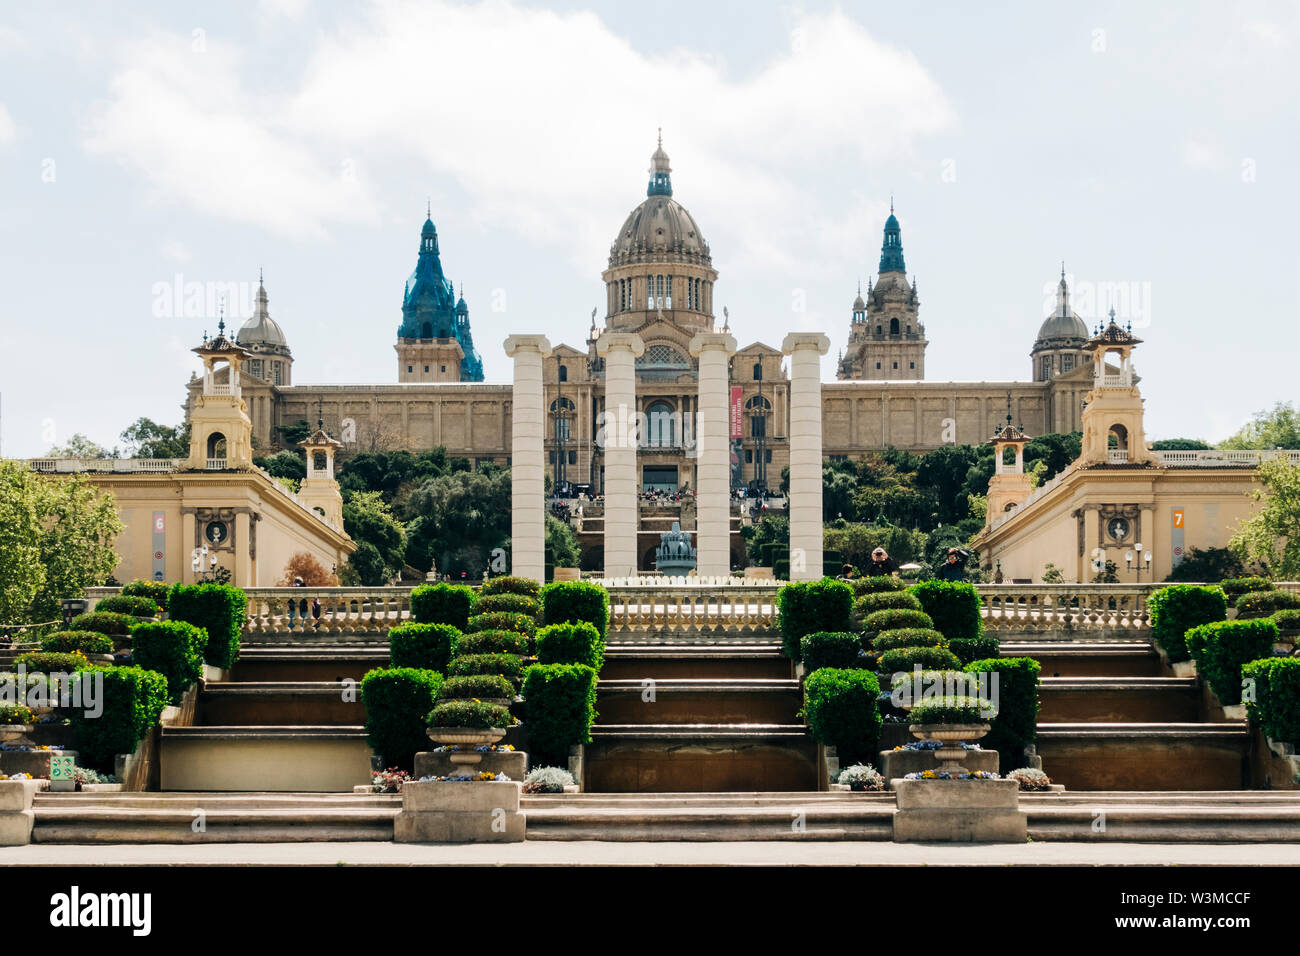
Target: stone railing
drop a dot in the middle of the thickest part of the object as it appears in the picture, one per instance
(346, 612)
(1221, 457)
(124, 465)
(1094, 607)
(736, 609)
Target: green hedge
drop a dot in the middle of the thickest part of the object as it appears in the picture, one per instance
(476, 687)
(1265, 603)
(508, 603)
(908, 637)
(507, 665)
(474, 714)
(132, 702)
(829, 649)
(1287, 619)
(904, 659)
(443, 604)
(49, 662)
(949, 710)
(220, 609)
(1234, 588)
(842, 710)
(524, 624)
(874, 585)
(954, 606)
(398, 701)
(574, 643)
(566, 601)
(1276, 704)
(1179, 607)
(156, 591)
(134, 605)
(892, 619)
(88, 642)
(810, 606)
(494, 642)
(1221, 650)
(559, 709)
(173, 649)
(104, 622)
(884, 601)
(423, 646)
(974, 648)
(1016, 725)
(526, 587)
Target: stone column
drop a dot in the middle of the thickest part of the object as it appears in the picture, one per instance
(712, 456)
(528, 458)
(622, 519)
(805, 350)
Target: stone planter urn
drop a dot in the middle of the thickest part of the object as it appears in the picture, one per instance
(466, 760)
(950, 735)
(15, 734)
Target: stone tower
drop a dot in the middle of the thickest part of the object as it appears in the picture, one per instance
(269, 358)
(221, 434)
(1062, 341)
(1113, 432)
(434, 342)
(319, 490)
(1009, 485)
(886, 338)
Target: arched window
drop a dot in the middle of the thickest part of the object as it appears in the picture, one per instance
(758, 371)
(563, 419)
(893, 326)
(216, 445)
(758, 408)
(661, 425)
(880, 330)
(564, 373)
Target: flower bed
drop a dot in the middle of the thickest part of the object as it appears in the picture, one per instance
(548, 780)
(945, 775)
(1031, 780)
(861, 777)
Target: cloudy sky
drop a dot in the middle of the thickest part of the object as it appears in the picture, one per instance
(152, 149)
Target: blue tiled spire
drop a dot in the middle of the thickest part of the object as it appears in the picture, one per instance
(430, 309)
(891, 251)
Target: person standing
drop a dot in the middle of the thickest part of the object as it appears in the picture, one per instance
(882, 565)
(953, 568)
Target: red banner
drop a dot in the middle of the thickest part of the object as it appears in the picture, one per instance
(735, 412)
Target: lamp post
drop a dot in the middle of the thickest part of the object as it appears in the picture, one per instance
(1129, 560)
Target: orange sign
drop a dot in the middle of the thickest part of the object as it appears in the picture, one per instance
(1178, 517)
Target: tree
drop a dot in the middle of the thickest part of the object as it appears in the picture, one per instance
(562, 548)
(313, 573)
(1271, 537)
(1208, 565)
(770, 529)
(1179, 444)
(79, 446)
(367, 519)
(457, 520)
(367, 565)
(943, 472)
(145, 438)
(56, 539)
(1279, 428)
(291, 436)
(391, 473)
(284, 464)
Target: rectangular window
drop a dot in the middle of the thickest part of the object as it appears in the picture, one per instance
(552, 457)
(895, 365)
(573, 458)
(1067, 363)
(911, 365)
(877, 366)
(768, 457)
(749, 456)
(758, 426)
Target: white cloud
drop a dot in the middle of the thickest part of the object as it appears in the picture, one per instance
(289, 9)
(1270, 33)
(176, 251)
(8, 129)
(1202, 154)
(544, 120)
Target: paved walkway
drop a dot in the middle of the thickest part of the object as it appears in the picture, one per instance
(549, 853)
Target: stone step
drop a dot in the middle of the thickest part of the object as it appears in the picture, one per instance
(164, 800)
(636, 662)
(786, 821)
(699, 701)
(303, 822)
(1166, 824)
(259, 758)
(289, 703)
(1089, 659)
(1145, 756)
(308, 663)
(1119, 700)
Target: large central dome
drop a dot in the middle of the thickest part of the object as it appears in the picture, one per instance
(660, 224)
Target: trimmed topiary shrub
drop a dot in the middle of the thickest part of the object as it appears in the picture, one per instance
(1015, 727)
(423, 646)
(134, 605)
(474, 714)
(567, 601)
(493, 642)
(875, 585)
(130, 705)
(443, 604)
(526, 587)
(1264, 603)
(1276, 704)
(105, 622)
(869, 604)
(398, 701)
(904, 659)
(974, 648)
(220, 609)
(908, 637)
(523, 624)
(1234, 588)
(507, 603)
(156, 591)
(88, 642)
(574, 643)
(892, 619)
(559, 709)
(476, 687)
(954, 606)
(1223, 648)
(507, 665)
(829, 649)
(807, 607)
(1288, 619)
(842, 710)
(46, 662)
(1179, 607)
(949, 710)
(173, 649)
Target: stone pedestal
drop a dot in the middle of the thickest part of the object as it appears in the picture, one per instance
(805, 350)
(16, 815)
(483, 812)
(712, 455)
(528, 458)
(620, 435)
(958, 811)
(899, 763)
(431, 763)
(35, 762)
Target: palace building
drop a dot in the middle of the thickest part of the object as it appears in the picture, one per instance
(660, 285)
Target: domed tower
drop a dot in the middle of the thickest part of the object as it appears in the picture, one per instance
(659, 264)
(1060, 346)
(269, 355)
(434, 342)
(886, 338)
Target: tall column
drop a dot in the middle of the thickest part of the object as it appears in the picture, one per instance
(805, 350)
(620, 351)
(712, 455)
(527, 458)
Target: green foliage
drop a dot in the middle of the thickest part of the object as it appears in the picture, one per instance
(569, 601)
(1265, 603)
(172, 648)
(495, 641)
(1015, 727)
(842, 710)
(88, 642)
(48, 662)
(365, 566)
(970, 649)
(856, 540)
(398, 701)
(903, 659)
(562, 548)
(368, 519)
(829, 649)
(285, 465)
(908, 637)
(443, 604)
(145, 438)
(473, 714)
(949, 710)
(892, 619)
(457, 520)
(507, 665)
(573, 643)
(1177, 608)
(1234, 588)
(875, 585)
(220, 609)
(1179, 444)
(1278, 428)
(1207, 564)
(104, 622)
(129, 604)
(1288, 619)
(810, 606)
(524, 624)
(884, 601)
(1270, 538)
(423, 646)
(391, 472)
(559, 709)
(133, 700)
(770, 531)
(524, 587)
(954, 606)
(156, 591)
(56, 539)
(477, 687)
(1276, 704)
(508, 603)
(1221, 650)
